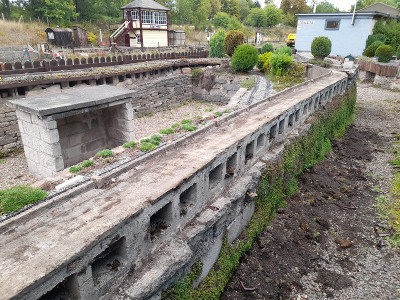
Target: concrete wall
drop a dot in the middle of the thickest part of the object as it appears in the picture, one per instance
(161, 241)
(348, 39)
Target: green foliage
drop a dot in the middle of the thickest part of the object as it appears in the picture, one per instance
(292, 7)
(217, 44)
(267, 48)
(218, 113)
(244, 58)
(263, 61)
(87, 163)
(371, 49)
(75, 169)
(175, 125)
(277, 182)
(189, 127)
(130, 144)
(296, 69)
(390, 28)
(231, 7)
(284, 50)
(321, 47)
(375, 37)
(196, 74)
(325, 6)
(267, 17)
(398, 52)
(228, 111)
(146, 146)
(167, 131)
(221, 20)
(279, 64)
(92, 38)
(156, 137)
(234, 24)
(320, 62)
(59, 12)
(233, 39)
(273, 14)
(185, 121)
(384, 53)
(105, 153)
(15, 198)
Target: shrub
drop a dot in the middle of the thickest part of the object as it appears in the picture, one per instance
(145, 141)
(147, 147)
(217, 44)
(234, 24)
(87, 163)
(185, 121)
(105, 153)
(75, 169)
(398, 52)
(384, 53)
(221, 19)
(233, 39)
(196, 74)
(370, 51)
(189, 127)
(175, 125)
(390, 29)
(284, 50)
(263, 61)
(92, 38)
(156, 137)
(13, 199)
(218, 113)
(167, 131)
(296, 69)
(267, 48)
(279, 63)
(244, 58)
(375, 37)
(130, 144)
(321, 47)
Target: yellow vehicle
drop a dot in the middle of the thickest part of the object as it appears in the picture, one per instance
(291, 40)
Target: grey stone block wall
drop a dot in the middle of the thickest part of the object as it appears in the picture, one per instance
(222, 90)
(10, 136)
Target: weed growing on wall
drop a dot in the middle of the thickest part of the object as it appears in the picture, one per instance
(277, 182)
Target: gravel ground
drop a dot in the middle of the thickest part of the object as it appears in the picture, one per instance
(14, 171)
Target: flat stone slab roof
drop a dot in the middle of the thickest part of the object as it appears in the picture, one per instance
(71, 99)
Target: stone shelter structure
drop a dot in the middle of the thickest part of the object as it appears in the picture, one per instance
(63, 129)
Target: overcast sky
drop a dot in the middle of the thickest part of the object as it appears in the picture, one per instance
(343, 5)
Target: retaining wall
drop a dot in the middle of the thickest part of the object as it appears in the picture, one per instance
(141, 248)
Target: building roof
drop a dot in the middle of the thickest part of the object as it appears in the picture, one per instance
(59, 29)
(382, 8)
(149, 4)
(344, 14)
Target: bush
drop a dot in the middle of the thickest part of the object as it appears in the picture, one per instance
(129, 144)
(384, 53)
(267, 48)
(321, 47)
(217, 44)
(167, 131)
(221, 19)
(244, 58)
(390, 29)
(398, 52)
(234, 24)
(280, 63)
(284, 50)
(296, 69)
(233, 39)
(371, 49)
(156, 137)
(105, 153)
(375, 37)
(147, 147)
(263, 61)
(15, 198)
(196, 75)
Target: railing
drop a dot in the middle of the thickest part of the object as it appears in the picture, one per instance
(120, 29)
(91, 62)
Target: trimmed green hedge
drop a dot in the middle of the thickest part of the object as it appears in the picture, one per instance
(245, 58)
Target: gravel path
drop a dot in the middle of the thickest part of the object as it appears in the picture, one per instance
(262, 89)
(14, 171)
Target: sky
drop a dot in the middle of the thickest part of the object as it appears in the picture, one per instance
(343, 5)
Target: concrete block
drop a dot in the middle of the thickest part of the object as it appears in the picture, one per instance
(31, 129)
(23, 116)
(70, 182)
(77, 139)
(95, 145)
(50, 149)
(49, 135)
(240, 222)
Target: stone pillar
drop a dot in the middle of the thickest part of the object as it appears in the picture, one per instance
(41, 144)
(120, 125)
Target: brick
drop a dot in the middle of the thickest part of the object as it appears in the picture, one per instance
(49, 136)
(50, 149)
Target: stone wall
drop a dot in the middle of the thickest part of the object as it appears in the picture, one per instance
(10, 137)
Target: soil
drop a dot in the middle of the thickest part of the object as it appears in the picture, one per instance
(327, 243)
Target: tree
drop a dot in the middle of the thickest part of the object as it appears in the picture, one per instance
(256, 18)
(231, 7)
(60, 12)
(184, 11)
(221, 19)
(273, 15)
(215, 7)
(326, 6)
(294, 7)
(244, 9)
(6, 8)
(201, 10)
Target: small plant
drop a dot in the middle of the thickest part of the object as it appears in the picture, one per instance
(147, 147)
(106, 160)
(244, 58)
(321, 47)
(316, 234)
(267, 48)
(145, 141)
(87, 163)
(189, 127)
(185, 121)
(167, 131)
(175, 125)
(196, 74)
(75, 169)
(218, 113)
(280, 63)
(13, 199)
(384, 53)
(156, 137)
(227, 111)
(105, 153)
(131, 144)
(233, 39)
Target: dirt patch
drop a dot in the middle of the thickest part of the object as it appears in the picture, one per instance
(324, 244)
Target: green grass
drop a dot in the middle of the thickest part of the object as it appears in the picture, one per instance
(130, 144)
(185, 121)
(189, 127)
(15, 198)
(105, 153)
(248, 83)
(283, 82)
(167, 131)
(75, 169)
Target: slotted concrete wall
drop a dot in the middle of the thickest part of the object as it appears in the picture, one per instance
(146, 252)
